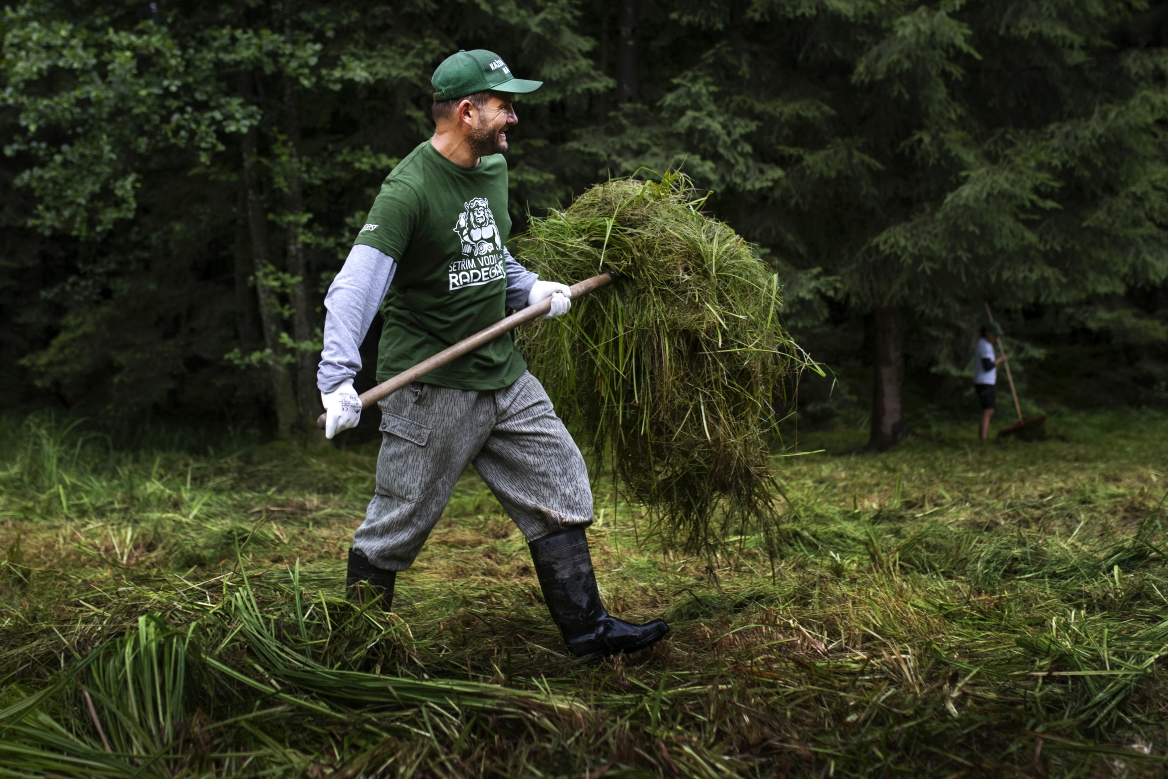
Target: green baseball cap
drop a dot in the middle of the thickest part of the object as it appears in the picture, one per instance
(468, 72)
(993, 327)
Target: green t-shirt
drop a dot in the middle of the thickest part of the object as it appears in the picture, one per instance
(445, 225)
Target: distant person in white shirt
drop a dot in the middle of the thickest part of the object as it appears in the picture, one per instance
(986, 374)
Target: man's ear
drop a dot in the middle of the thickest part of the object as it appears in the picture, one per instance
(466, 112)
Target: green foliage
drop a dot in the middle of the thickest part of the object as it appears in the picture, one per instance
(878, 154)
(118, 96)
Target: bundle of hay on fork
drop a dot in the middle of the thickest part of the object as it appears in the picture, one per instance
(672, 373)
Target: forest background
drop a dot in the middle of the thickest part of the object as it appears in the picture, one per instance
(181, 181)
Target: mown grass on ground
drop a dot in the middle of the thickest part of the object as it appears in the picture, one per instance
(947, 608)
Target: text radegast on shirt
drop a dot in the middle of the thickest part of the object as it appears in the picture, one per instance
(446, 227)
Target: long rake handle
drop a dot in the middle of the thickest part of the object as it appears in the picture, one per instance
(1009, 376)
(467, 345)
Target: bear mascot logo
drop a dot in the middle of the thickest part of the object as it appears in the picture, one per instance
(476, 228)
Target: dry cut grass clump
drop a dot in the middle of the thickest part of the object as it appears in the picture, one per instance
(673, 372)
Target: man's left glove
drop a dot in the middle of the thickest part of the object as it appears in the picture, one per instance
(342, 408)
(561, 295)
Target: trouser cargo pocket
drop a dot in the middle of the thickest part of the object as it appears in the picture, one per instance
(406, 468)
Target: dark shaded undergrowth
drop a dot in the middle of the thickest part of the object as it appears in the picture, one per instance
(943, 609)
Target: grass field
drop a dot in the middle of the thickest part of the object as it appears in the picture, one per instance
(947, 608)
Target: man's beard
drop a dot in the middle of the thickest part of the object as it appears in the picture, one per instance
(484, 141)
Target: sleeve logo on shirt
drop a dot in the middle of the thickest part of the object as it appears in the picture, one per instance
(368, 229)
(482, 247)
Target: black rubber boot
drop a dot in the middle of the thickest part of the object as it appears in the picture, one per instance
(565, 574)
(366, 581)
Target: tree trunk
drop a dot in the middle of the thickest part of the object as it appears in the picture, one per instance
(888, 426)
(602, 97)
(283, 392)
(302, 330)
(246, 321)
(627, 64)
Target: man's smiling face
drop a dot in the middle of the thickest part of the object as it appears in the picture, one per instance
(490, 133)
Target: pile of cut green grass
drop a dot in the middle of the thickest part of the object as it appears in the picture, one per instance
(233, 682)
(673, 372)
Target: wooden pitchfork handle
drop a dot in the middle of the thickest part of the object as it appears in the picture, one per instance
(467, 345)
(1009, 376)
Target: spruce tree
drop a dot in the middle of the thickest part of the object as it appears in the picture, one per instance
(185, 179)
(908, 161)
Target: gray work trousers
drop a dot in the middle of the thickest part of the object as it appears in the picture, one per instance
(518, 445)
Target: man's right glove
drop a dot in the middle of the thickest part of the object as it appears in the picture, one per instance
(342, 408)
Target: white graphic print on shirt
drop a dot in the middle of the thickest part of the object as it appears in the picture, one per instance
(482, 247)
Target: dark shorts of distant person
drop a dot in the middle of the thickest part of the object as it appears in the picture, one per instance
(985, 395)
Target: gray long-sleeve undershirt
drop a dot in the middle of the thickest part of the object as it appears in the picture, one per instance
(354, 297)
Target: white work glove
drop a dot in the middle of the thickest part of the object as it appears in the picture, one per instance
(342, 408)
(561, 296)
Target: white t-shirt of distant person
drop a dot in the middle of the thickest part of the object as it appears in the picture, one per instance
(985, 351)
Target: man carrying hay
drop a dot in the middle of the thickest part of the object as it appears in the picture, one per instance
(434, 251)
